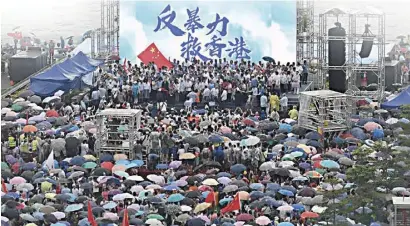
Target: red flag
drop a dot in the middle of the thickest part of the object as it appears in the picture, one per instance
(124, 65)
(125, 221)
(90, 215)
(3, 186)
(152, 54)
(15, 35)
(232, 206)
(210, 198)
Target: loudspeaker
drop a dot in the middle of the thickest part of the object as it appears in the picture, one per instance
(367, 46)
(337, 81)
(337, 57)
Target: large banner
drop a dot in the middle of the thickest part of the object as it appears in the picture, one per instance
(207, 30)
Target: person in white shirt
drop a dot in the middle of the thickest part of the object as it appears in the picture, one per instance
(284, 103)
(206, 94)
(214, 93)
(224, 95)
(264, 102)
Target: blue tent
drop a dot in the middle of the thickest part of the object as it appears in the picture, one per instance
(64, 76)
(402, 99)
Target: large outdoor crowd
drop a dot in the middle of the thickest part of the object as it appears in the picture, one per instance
(192, 161)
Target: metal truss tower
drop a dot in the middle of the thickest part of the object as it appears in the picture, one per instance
(355, 25)
(305, 37)
(108, 38)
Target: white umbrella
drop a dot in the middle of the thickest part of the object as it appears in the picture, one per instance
(5, 110)
(250, 141)
(48, 99)
(135, 178)
(392, 121)
(285, 208)
(210, 182)
(318, 209)
(267, 166)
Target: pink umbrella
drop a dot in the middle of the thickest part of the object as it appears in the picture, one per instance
(370, 126)
(17, 180)
(181, 183)
(204, 218)
(111, 216)
(239, 223)
(175, 164)
(21, 121)
(184, 178)
(263, 220)
(134, 207)
(225, 129)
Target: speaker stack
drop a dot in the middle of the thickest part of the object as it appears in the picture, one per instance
(337, 57)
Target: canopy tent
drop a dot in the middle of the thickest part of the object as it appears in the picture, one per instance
(402, 99)
(65, 76)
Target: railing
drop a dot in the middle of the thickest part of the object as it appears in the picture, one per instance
(20, 85)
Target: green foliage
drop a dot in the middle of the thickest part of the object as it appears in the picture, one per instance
(405, 111)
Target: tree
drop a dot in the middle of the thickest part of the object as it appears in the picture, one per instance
(334, 208)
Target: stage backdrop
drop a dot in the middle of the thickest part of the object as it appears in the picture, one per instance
(209, 29)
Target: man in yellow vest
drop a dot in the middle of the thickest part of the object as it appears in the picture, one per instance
(34, 144)
(12, 142)
(293, 114)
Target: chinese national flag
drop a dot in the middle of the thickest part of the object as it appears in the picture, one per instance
(90, 215)
(232, 206)
(3, 186)
(125, 220)
(210, 198)
(152, 54)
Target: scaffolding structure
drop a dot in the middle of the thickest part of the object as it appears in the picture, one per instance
(108, 35)
(326, 110)
(354, 24)
(117, 131)
(305, 37)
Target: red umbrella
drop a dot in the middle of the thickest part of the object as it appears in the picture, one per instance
(244, 217)
(52, 113)
(309, 214)
(107, 165)
(248, 122)
(316, 164)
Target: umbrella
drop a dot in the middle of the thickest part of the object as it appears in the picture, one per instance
(346, 161)
(210, 182)
(175, 198)
(215, 139)
(201, 207)
(26, 94)
(285, 192)
(250, 141)
(262, 220)
(183, 218)
(29, 129)
(268, 59)
(230, 188)
(238, 168)
(309, 214)
(329, 164)
(17, 180)
(370, 126)
(186, 156)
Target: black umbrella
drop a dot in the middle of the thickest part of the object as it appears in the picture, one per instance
(4, 104)
(26, 94)
(307, 192)
(28, 175)
(6, 175)
(193, 194)
(129, 183)
(269, 59)
(35, 99)
(10, 213)
(86, 186)
(36, 199)
(193, 180)
(82, 199)
(62, 197)
(239, 183)
(181, 173)
(191, 140)
(98, 210)
(136, 221)
(154, 200)
(213, 164)
(188, 202)
(100, 172)
(131, 212)
(196, 222)
(50, 218)
(11, 203)
(281, 172)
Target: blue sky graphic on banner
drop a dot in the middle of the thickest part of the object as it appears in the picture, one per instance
(209, 29)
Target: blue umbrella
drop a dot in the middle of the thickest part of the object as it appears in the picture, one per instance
(131, 165)
(73, 128)
(314, 143)
(215, 139)
(110, 205)
(286, 224)
(122, 162)
(58, 224)
(77, 160)
(330, 164)
(285, 127)
(358, 133)
(298, 207)
(272, 187)
(256, 195)
(205, 194)
(256, 186)
(64, 223)
(145, 183)
(38, 215)
(285, 192)
(289, 188)
(224, 174)
(225, 201)
(29, 166)
(268, 58)
(114, 180)
(378, 134)
(73, 208)
(238, 168)
(106, 158)
(139, 213)
(404, 120)
(162, 166)
(175, 198)
(304, 165)
(139, 163)
(171, 188)
(313, 135)
(13, 195)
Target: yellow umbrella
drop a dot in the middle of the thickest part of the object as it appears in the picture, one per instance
(210, 182)
(305, 148)
(90, 157)
(226, 139)
(120, 157)
(201, 207)
(46, 186)
(50, 195)
(31, 224)
(187, 156)
(243, 195)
